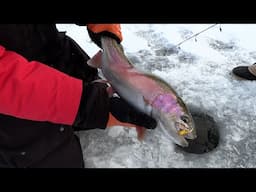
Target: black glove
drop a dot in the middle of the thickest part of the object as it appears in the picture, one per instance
(124, 112)
(95, 106)
(93, 111)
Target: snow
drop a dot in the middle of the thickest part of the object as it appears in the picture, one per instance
(200, 71)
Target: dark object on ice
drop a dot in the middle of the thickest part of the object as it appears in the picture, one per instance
(243, 72)
(207, 133)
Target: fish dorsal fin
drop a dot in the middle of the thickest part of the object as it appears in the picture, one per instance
(96, 60)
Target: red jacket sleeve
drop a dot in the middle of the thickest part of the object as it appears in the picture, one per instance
(34, 91)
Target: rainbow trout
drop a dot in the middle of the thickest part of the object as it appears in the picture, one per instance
(147, 92)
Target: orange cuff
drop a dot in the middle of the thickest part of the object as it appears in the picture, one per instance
(112, 28)
(112, 121)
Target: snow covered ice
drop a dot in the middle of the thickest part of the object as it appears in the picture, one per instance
(200, 71)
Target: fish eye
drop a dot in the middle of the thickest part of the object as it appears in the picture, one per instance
(185, 119)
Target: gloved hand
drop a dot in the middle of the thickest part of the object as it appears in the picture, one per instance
(96, 31)
(97, 108)
(124, 112)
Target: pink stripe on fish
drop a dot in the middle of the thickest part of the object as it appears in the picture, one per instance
(167, 104)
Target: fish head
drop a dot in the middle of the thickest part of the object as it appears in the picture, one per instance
(168, 126)
(174, 119)
(184, 122)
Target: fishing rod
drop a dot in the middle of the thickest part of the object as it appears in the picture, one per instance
(197, 34)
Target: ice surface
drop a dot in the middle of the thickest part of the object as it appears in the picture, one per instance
(200, 71)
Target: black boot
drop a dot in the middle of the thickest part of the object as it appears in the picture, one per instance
(244, 72)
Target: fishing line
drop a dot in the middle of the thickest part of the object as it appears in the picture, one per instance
(195, 35)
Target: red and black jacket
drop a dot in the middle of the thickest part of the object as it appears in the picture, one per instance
(41, 73)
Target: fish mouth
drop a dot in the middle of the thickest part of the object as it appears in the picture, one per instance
(179, 140)
(183, 129)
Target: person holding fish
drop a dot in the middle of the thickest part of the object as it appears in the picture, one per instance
(47, 92)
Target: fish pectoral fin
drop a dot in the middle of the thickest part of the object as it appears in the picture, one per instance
(145, 100)
(140, 132)
(110, 91)
(96, 60)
